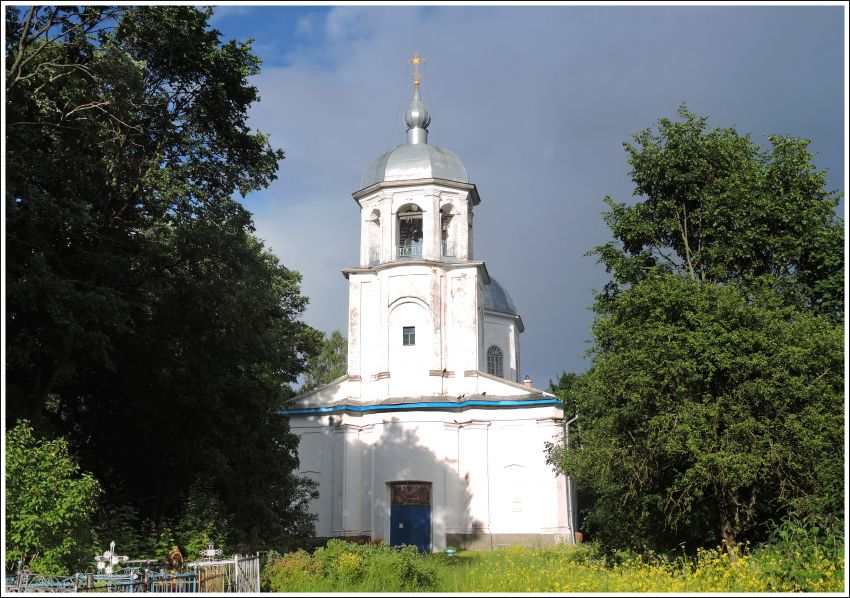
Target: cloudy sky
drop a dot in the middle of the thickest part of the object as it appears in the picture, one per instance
(537, 102)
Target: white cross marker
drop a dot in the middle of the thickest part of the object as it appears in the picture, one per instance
(210, 551)
(109, 559)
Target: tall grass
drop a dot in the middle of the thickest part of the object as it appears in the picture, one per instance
(586, 569)
(343, 567)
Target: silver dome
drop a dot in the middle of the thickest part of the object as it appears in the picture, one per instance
(415, 159)
(496, 298)
(412, 161)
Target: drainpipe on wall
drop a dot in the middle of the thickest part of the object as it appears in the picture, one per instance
(570, 502)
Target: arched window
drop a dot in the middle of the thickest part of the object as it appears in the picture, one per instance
(375, 237)
(447, 240)
(494, 361)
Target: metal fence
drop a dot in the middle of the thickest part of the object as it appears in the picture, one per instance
(129, 580)
(374, 256)
(235, 575)
(239, 575)
(25, 582)
(408, 251)
(448, 249)
(174, 583)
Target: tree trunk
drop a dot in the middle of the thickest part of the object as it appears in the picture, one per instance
(727, 529)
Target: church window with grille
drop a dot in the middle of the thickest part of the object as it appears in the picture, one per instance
(408, 336)
(495, 361)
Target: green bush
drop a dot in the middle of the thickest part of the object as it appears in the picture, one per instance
(803, 554)
(343, 566)
(295, 571)
(49, 503)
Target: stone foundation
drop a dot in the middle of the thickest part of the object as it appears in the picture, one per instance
(311, 544)
(484, 541)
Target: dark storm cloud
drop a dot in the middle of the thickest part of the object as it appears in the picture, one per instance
(537, 103)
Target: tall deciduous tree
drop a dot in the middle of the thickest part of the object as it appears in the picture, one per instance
(328, 364)
(144, 319)
(717, 208)
(714, 403)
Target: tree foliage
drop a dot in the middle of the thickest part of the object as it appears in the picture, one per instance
(714, 403)
(705, 414)
(49, 503)
(144, 319)
(717, 208)
(328, 364)
(565, 389)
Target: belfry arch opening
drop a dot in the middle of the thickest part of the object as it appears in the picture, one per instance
(409, 219)
(448, 241)
(374, 225)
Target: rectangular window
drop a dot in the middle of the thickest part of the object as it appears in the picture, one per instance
(409, 336)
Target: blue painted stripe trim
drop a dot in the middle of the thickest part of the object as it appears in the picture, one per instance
(417, 406)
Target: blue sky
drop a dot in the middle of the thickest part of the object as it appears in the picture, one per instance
(537, 102)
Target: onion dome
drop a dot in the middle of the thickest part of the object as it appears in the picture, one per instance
(415, 159)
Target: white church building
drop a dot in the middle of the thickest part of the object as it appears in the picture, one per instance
(430, 439)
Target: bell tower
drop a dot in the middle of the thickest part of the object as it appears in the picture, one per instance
(432, 222)
(415, 300)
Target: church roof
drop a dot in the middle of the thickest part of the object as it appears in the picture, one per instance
(429, 403)
(496, 298)
(415, 159)
(493, 392)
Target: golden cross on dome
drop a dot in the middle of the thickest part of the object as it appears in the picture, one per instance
(416, 61)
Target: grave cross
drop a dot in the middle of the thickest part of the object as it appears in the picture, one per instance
(109, 559)
(210, 551)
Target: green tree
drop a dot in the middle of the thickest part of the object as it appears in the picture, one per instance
(328, 364)
(204, 520)
(717, 208)
(707, 414)
(49, 504)
(714, 403)
(145, 322)
(564, 389)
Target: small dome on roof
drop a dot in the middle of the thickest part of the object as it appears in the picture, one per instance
(496, 298)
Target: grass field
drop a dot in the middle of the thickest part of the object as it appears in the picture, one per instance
(344, 567)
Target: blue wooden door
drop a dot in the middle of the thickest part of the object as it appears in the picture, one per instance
(411, 524)
(410, 515)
